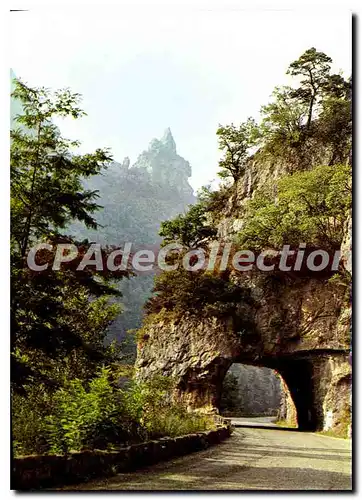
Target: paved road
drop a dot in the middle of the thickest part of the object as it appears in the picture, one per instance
(255, 421)
(252, 459)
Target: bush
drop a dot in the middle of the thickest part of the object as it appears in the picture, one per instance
(151, 404)
(99, 415)
(190, 229)
(85, 417)
(215, 201)
(197, 292)
(309, 207)
(28, 410)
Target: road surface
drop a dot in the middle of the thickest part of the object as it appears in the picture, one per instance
(251, 459)
(255, 422)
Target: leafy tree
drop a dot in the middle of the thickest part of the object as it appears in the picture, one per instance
(45, 175)
(309, 115)
(235, 143)
(191, 229)
(309, 207)
(197, 292)
(282, 121)
(58, 322)
(334, 125)
(313, 68)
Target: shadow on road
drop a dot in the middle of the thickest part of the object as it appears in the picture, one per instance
(267, 427)
(246, 461)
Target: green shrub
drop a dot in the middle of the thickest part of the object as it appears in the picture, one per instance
(215, 201)
(190, 229)
(99, 415)
(28, 410)
(309, 207)
(198, 292)
(89, 417)
(152, 405)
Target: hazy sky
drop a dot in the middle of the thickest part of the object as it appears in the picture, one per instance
(143, 70)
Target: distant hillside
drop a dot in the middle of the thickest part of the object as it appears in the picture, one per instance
(135, 200)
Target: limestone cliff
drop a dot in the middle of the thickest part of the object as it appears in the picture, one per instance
(303, 334)
(298, 325)
(165, 166)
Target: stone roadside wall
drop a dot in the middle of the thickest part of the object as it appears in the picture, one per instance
(48, 471)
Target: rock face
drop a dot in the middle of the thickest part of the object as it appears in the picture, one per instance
(298, 325)
(165, 166)
(346, 247)
(304, 336)
(287, 411)
(135, 199)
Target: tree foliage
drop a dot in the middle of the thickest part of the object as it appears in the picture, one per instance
(313, 69)
(45, 175)
(334, 124)
(190, 229)
(314, 112)
(58, 318)
(282, 121)
(309, 207)
(197, 292)
(236, 143)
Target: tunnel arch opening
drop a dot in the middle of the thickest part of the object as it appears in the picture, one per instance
(256, 392)
(282, 388)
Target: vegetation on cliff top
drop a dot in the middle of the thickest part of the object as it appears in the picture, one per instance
(309, 204)
(313, 114)
(308, 207)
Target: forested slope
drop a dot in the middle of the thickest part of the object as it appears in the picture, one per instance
(135, 199)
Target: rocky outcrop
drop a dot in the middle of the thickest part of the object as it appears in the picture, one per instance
(287, 412)
(165, 166)
(196, 353)
(346, 247)
(297, 324)
(302, 335)
(135, 199)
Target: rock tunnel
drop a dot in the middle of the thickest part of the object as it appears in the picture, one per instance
(298, 391)
(312, 381)
(303, 335)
